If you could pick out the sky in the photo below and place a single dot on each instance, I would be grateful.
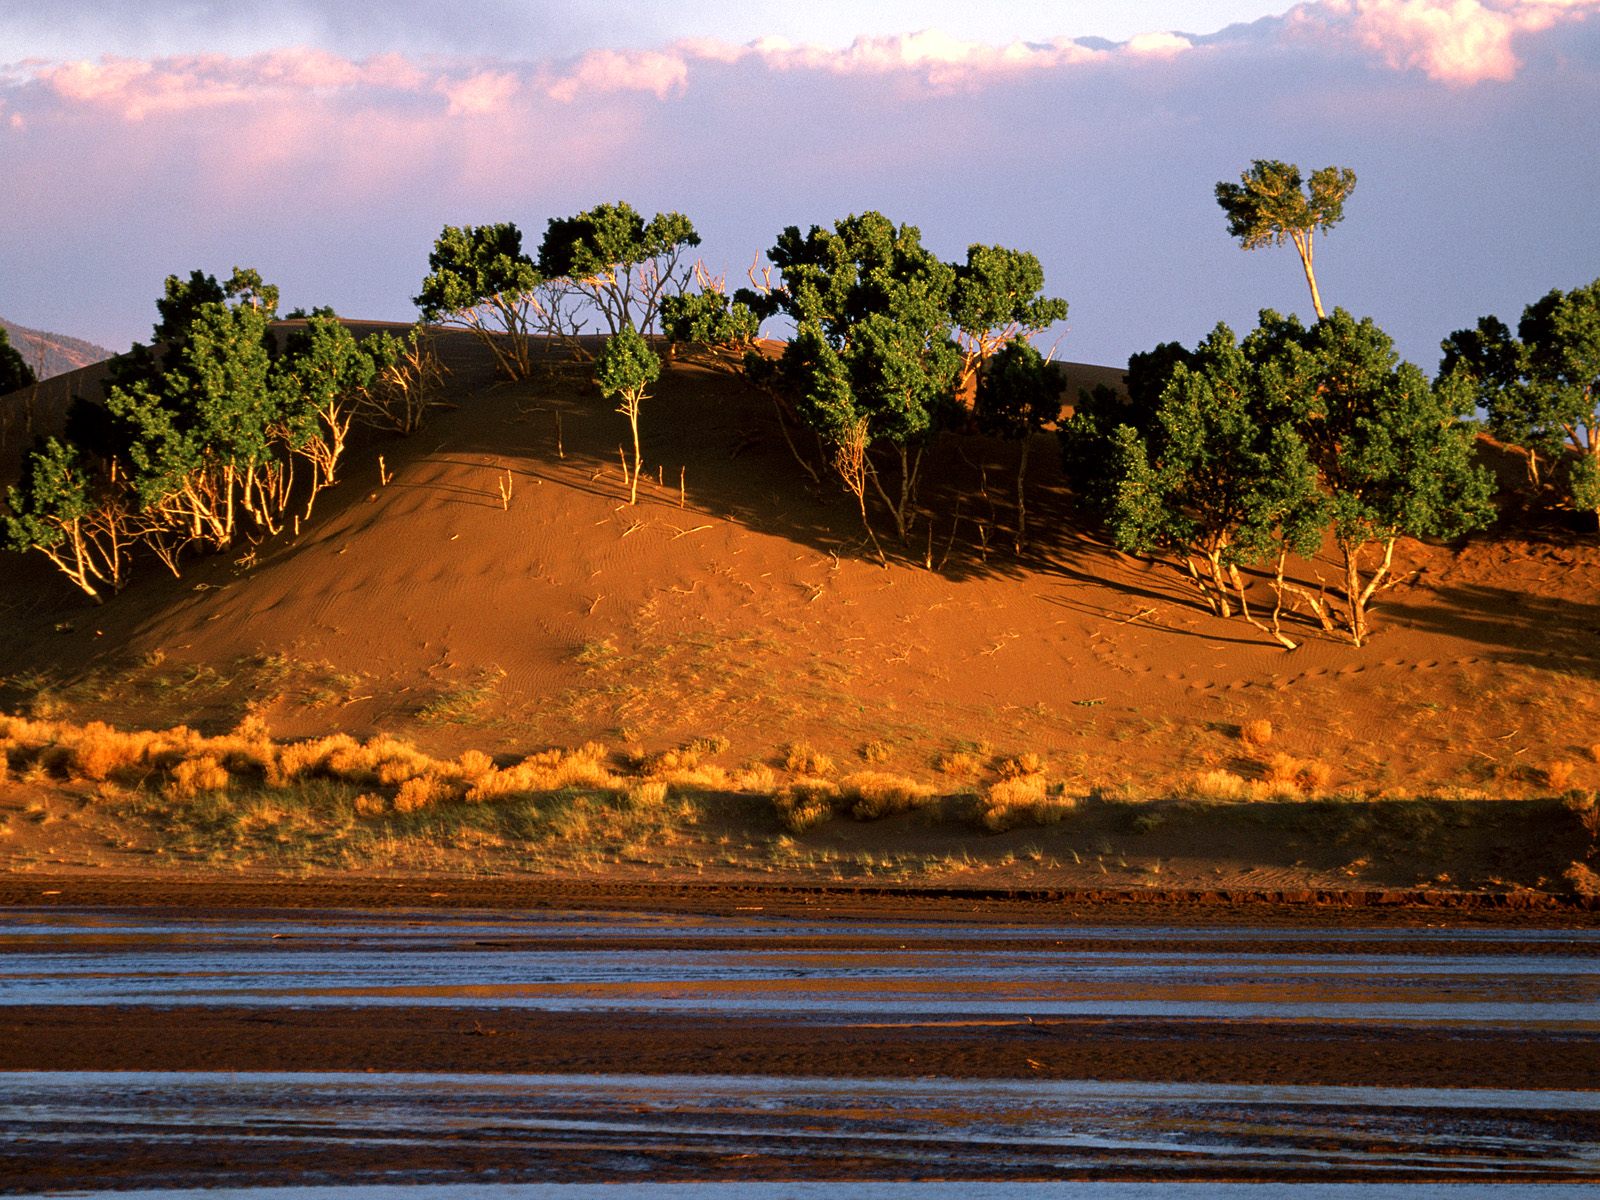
(327, 143)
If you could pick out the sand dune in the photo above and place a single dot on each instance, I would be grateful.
(753, 612)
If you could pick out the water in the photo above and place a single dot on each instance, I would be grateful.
(576, 964)
(525, 1136)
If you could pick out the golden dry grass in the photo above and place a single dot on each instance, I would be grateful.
(800, 758)
(1557, 776)
(1019, 799)
(873, 795)
(1256, 734)
(805, 803)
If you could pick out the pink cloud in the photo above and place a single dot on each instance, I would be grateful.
(603, 71)
(479, 94)
(1452, 41)
(140, 88)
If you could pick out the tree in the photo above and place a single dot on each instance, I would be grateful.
(622, 264)
(480, 280)
(1541, 389)
(75, 520)
(1252, 450)
(1018, 395)
(627, 366)
(408, 381)
(1221, 477)
(1268, 207)
(724, 326)
(1085, 437)
(200, 430)
(324, 376)
(1393, 453)
(997, 300)
(872, 361)
(14, 370)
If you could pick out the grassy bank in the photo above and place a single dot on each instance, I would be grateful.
(91, 795)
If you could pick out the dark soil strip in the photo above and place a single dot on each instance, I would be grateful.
(983, 905)
(517, 1041)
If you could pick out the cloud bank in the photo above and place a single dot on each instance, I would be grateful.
(332, 172)
(1458, 42)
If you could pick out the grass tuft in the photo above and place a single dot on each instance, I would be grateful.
(873, 795)
(1256, 734)
(803, 759)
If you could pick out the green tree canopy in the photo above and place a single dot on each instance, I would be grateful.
(479, 279)
(1221, 476)
(626, 368)
(61, 509)
(1271, 205)
(1541, 389)
(998, 298)
(872, 360)
(1394, 453)
(1253, 449)
(624, 264)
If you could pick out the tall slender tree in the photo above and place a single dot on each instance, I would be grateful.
(1270, 205)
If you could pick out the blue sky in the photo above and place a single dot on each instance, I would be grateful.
(326, 144)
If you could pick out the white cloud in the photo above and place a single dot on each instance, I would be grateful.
(1158, 45)
(1452, 41)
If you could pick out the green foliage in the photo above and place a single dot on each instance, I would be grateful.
(1271, 205)
(1394, 453)
(709, 318)
(872, 359)
(997, 300)
(474, 264)
(51, 495)
(1541, 389)
(323, 377)
(14, 371)
(479, 279)
(627, 365)
(1019, 394)
(1222, 477)
(1085, 435)
(74, 520)
(625, 265)
(1251, 451)
(200, 434)
(201, 424)
(1268, 205)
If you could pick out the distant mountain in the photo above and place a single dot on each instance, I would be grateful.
(52, 353)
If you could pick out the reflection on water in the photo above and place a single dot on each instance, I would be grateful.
(641, 963)
(675, 1125)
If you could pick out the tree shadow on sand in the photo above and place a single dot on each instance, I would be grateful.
(1547, 632)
